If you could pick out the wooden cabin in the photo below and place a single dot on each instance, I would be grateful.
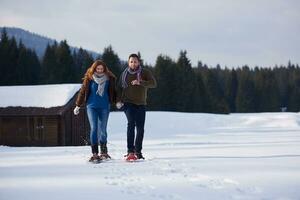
(36, 118)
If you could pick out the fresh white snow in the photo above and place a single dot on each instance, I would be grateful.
(37, 96)
(189, 156)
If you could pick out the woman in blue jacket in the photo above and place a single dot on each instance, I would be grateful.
(97, 93)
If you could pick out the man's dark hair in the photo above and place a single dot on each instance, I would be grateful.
(133, 55)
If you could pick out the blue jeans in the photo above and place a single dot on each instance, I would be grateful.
(135, 115)
(98, 118)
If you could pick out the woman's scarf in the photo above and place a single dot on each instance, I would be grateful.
(100, 80)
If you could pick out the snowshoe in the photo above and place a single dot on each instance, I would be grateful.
(104, 156)
(139, 156)
(131, 157)
(95, 159)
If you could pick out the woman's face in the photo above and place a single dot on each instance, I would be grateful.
(99, 69)
(133, 63)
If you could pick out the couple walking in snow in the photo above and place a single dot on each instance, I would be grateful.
(99, 91)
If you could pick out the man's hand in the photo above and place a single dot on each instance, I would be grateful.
(135, 82)
(119, 105)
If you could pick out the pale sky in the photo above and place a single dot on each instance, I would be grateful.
(225, 32)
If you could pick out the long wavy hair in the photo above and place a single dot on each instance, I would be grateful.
(91, 70)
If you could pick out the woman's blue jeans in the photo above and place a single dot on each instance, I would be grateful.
(98, 119)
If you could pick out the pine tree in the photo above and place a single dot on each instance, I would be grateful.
(4, 58)
(201, 101)
(22, 73)
(294, 99)
(231, 90)
(112, 60)
(215, 94)
(282, 75)
(66, 72)
(141, 59)
(267, 93)
(11, 57)
(49, 65)
(34, 68)
(162, 98)
(185, 82)
(245, 99)
(82, 61)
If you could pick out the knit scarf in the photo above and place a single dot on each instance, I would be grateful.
(100, 80)
(130, 71)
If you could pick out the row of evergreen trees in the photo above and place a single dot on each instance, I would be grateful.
(18, 65)
(181, 87)
(215, 90)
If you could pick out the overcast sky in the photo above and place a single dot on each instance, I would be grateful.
(225, 32)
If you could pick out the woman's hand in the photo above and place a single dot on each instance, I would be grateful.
(76, 110)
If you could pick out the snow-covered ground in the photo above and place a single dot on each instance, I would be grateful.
(189, 156)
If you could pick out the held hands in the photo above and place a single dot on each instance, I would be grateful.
(119, 105)
(76, 110)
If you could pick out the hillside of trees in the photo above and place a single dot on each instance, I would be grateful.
(181, 87)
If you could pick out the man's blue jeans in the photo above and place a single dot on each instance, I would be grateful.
(136, 115)
(98, 119)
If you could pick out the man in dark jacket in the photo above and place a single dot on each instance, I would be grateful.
(132, 96)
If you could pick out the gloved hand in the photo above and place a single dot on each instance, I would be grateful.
(76, 110)
(119, 105)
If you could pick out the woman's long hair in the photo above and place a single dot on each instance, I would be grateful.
(91, 70)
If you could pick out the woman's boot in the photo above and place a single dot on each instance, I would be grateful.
(104, 154)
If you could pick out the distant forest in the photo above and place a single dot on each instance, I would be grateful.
(181, 87)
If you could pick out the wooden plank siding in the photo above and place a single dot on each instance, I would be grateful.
(80, 128)
(50, 131)
(17, 127)
(29, 131)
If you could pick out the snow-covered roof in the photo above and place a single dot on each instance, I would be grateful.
(45, 96)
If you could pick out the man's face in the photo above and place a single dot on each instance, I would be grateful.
(133, 63)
